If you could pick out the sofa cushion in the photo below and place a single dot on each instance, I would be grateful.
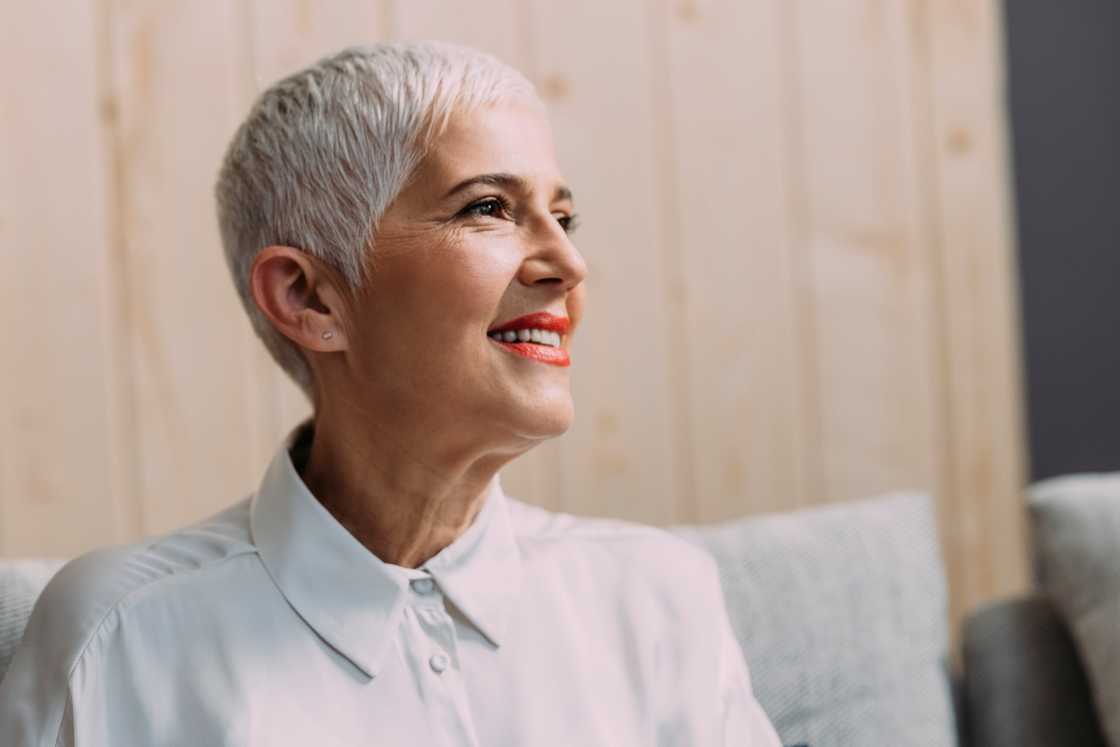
(1024, 680)
(20, 584)
(1076, 522)
(842, 615)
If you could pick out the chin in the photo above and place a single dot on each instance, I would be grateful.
(542, 422)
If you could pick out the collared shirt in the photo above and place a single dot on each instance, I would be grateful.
(270, 624)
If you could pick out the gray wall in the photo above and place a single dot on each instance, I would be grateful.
(1064, 70)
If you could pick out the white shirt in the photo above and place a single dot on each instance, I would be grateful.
(270, 624)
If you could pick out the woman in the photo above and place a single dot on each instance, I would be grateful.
(398, 230)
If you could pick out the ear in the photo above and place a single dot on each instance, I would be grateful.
(300, 297)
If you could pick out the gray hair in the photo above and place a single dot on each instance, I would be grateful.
(324, 152)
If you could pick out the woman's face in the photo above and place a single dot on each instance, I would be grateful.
(477, 239)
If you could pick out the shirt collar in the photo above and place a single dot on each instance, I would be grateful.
(351, 598)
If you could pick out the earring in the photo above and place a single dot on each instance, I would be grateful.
(328, 334)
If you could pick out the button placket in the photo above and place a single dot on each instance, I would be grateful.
(441, 632)
(434, 621)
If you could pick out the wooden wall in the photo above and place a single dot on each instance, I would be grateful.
(796, 216)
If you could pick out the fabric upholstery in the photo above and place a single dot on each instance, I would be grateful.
(20, 584)
(1025, 686)
(842, 615)
(1076, 521)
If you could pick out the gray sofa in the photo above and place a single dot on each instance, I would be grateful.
(841, 613)
(1023, 684)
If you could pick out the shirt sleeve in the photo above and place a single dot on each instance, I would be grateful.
(74, 687)
(744, 722)
(47, 688)
(34, 694)
(705, 695)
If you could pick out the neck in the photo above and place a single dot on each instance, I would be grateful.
(398, 491)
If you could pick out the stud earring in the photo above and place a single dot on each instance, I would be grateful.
(328, 334)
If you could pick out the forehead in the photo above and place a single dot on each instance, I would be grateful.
(508, 138)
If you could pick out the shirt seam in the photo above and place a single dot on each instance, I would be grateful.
(67, 707)
(635, 534)
(96, 629)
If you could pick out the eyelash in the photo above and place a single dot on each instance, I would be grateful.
(568, 223)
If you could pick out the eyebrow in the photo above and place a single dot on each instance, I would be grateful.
(511, 182)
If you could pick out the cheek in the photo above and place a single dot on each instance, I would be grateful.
(472, 280)
(473, 291)
(447, 286)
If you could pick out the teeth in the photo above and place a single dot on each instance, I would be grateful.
(539, 336)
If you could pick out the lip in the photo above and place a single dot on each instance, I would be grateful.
(540, 353)
(536, 320)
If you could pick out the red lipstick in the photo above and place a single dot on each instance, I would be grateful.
(555, 356)
(536, 320)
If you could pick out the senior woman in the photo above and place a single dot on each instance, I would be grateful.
(398, 229)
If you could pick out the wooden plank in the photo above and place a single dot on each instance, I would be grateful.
(746, 429)
(176, 93)
(283, 36)
(621, 458)
(64, 482)
(290, 34)
(502, 31)
(496, 30)
(971, 202)
(868, 265)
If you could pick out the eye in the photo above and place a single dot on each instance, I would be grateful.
(568, 222)
(488, 207)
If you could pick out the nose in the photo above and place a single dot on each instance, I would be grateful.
(552, 258)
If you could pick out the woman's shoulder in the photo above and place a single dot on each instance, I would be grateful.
(87, 590)
(650, 551)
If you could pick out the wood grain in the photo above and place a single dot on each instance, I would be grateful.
(866, 266)
(174, 84)
(973, 225)
(64, 457)
(745, 387)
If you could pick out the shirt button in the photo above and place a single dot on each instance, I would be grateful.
(438, 663)
(422, 585)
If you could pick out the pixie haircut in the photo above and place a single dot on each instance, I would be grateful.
(324, 152)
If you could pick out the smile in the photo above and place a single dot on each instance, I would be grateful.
(543, 352)
(535, 336)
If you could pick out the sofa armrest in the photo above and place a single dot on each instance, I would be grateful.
(1024, 685)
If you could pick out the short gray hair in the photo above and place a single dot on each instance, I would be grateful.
(324, 152)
